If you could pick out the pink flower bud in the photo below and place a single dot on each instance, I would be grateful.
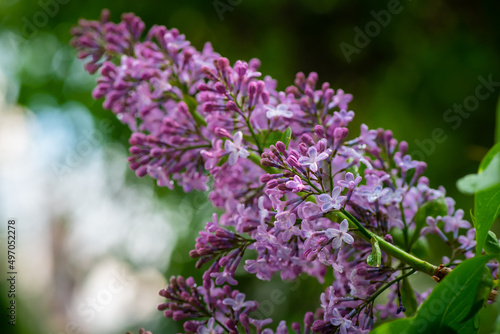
(319, 130)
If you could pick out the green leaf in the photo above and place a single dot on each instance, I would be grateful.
(408, 298)
(421, 248)
(223, 160)
(287, 136)
(397, 237)
(268, 138)
(487, 208)
(473, 218)
(485, 179)
(497, 128)
(485, 285)
(497, 322)
(191, 103)
(375, 257)
(492, 246)
(488, 158)
(487, 202)
(453, 305)
(398, 326)
(434, 208)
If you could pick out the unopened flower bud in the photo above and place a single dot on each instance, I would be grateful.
(208, 72)
(321, 145)
(135, 150)
(307, 139)
(303, 148)
(305, 103)
(190, 326)
(209, 107)
(300, 80)
(260, 87)
(292, 161)
(252, 88)
(319, 130)
(230, 324)
(202, 87)
(244, 321)
(141, 171)
(281, 147)
(137, 138)
(220, 88)
(309, 93)
(308, 319)
(388, 136)
(292, 90)
(156, 152)
(403, 147)
(240, 68)
(267, 163)
(231, 106)
(265, 97)
(340, 134)
(272, 184)
(222, 133)
(254, 64)
(222, 63)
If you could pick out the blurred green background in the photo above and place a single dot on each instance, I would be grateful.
(405, 75)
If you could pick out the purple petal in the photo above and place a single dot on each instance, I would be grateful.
(348, 239)
(312, 152)
(322, 156)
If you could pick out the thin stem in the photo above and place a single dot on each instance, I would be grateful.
(254, 136)
(376, 294)
(393, 250)
(306, 180)
(405, 228)
(247, 121)
(367, 234)
(256, 159)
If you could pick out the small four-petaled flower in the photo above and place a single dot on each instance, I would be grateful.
(340, 321)
(279, 110)
(238, 302)
(313, 159)
(235, 148)
(332, 202)
(339, 235)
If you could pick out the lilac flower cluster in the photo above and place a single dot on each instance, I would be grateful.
(293, 188)
(212, 309)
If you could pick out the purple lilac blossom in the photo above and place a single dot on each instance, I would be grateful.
(198, 120)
